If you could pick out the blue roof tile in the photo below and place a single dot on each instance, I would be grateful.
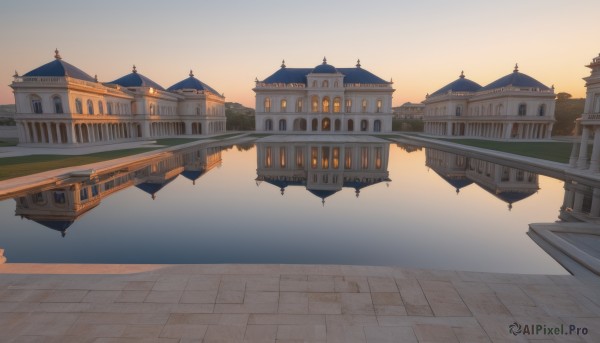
(192, 83)
(516, 79)
(298, 75)
(461, 84)
(60, 68)
(136, 79)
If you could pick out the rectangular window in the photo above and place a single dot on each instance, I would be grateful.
(83, 194)
(314, 155)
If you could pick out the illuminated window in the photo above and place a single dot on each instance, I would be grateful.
(326, 104)
(299, 105)
(378, 158)
(348, 105)
(314, 155)
(364, 105)
(283, 105)
(335, 163)
(268, 157)
(325, 84)
(379, 105)
(299, 157)
(337, 105)
(282, 159)
(267, 105)
(314, 104)
(348, 159)
(152, 109)
(58, 107)
(325, 157)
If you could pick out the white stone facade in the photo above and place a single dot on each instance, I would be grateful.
(515, 107)
(323, 99)
(589, 123)
(72, 110)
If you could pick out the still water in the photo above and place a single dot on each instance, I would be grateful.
(365, 202)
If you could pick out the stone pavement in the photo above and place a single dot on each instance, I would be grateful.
(286, 303)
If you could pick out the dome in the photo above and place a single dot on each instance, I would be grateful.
(60, 68)
(324, 68)
(192, 83)
(135, 79)
(462, 84)
(516, 79)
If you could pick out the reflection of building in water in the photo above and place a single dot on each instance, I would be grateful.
(507, 184)
(59, 207)
(581, 202)
(323, 168)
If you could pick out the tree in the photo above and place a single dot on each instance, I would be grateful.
(563, 96)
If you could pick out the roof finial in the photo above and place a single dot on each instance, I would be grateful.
(16, 74)
(462, 74)
(282, 63)
(358, 63)
(324, 60)
(191, 73)
(552, 87)
(96, 77)
(323, 201)
(57, 55)
(256, 79)
(134, 70)
(516, 67)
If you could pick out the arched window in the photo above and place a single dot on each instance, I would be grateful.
(282, 125)
(36, 104)
(314, 104)
(522, 109)
(364, 125)
(58, 107)
(348, 105)
(283, 105)
(337, 105)
(78, 106)
(542, 110)
(268, 125)
(90, 107)
(364, 105)
(299, 105)
(267, 104)
(325, 104)
(336, 84)
(350, 125)
(379, 105)
(109, 108)
(314, 84)
(377, 125)
(326, 124)
(315, 124)
(100, 107)
(325, 84)
(458, 111)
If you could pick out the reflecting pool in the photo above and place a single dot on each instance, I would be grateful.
(364, 201)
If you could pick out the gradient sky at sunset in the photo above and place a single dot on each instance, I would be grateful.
(422, 45)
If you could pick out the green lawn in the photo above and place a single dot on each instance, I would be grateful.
(551, 151)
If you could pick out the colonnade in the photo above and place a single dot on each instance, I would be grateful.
(580, 157)
(69, 133)
(490, 130)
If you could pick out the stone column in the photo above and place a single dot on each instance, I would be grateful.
(578, 202)
(568, 199)
(574, 156)
(595, 211)
(595, 160)
(583, 149)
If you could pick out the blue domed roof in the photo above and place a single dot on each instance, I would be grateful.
(516, 79)
(324, 68)
(134, 79)
(60, 68)
(462, 84)
(192, 83)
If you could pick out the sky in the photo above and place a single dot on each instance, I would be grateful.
(420, 45)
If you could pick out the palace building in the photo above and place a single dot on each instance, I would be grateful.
(58, 104)
(323, 99)
(589, 123)
(515, 106)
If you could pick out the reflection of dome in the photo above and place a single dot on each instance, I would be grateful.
(324, 68)
(516, 79)
(192, 83)
(462, 84)
(153, 187)
(457, 182)
(60, 68)
(193, 175)
(58, 225)
(135, 79)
